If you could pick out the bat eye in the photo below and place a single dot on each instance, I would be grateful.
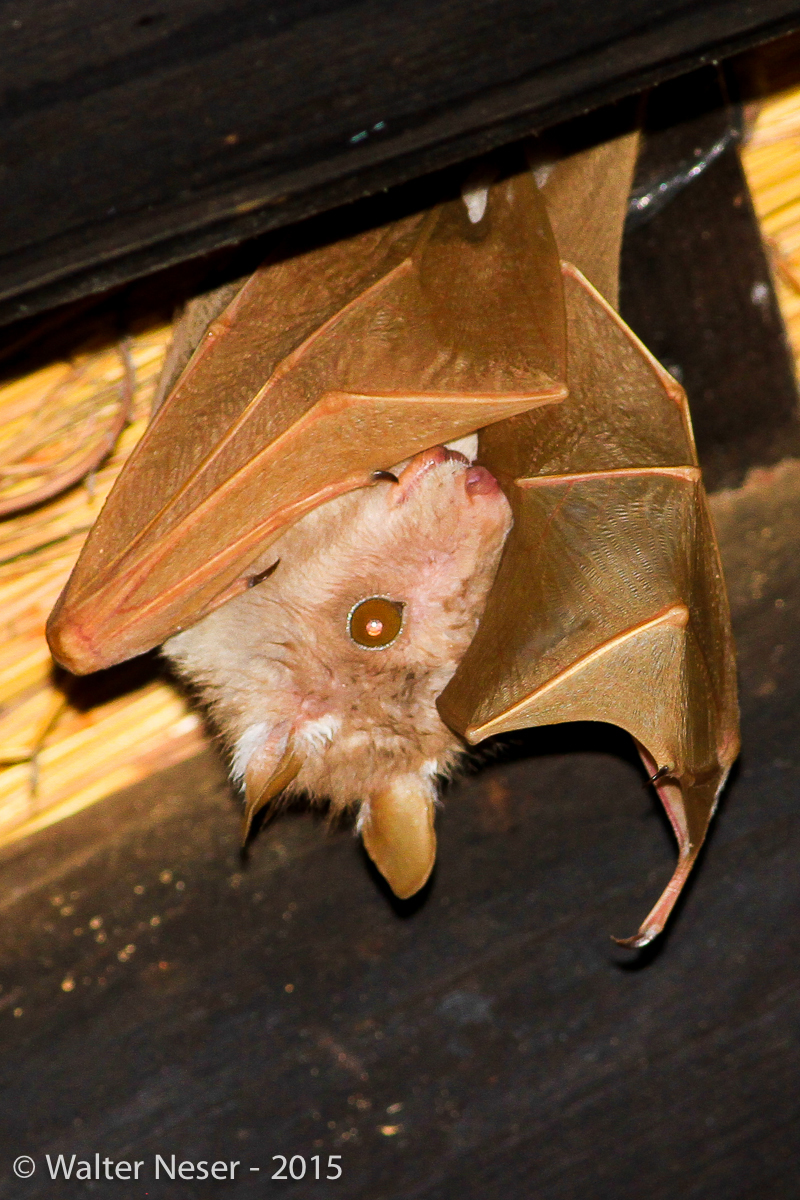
(376, 622)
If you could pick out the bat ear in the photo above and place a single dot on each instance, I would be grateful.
(271, 767)
(396, 826)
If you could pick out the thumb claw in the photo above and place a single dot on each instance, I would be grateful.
(263, 782)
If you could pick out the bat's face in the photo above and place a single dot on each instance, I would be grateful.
(341, 651)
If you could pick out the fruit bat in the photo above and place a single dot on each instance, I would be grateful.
(360, 593)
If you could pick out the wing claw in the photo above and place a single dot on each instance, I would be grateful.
(265, 780)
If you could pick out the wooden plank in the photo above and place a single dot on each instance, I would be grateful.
(134, 136)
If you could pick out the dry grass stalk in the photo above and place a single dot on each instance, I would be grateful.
(771, 159)
(63, 747)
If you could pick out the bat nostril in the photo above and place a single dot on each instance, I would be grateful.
(480, 482)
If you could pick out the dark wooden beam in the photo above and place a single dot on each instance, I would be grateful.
(137, 135)
(696, 284)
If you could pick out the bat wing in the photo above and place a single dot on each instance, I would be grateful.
(609, 603)
(586, 196)
(324, 368)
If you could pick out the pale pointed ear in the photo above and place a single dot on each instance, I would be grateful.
(396, 826)
(271, 767)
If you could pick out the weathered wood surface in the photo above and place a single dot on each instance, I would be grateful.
(136, 135)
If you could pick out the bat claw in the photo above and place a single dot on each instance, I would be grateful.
(661, 773)
(643, 938)
(265, 779)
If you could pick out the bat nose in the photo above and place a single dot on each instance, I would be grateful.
(480, 482)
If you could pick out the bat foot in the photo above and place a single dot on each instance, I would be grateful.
(658, 916)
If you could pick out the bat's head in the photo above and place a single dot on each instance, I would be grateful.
(327, 672)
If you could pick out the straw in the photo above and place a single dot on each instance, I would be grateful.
(64, 745)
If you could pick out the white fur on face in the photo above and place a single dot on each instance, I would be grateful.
(281, 652)
(316, 735)
(247, 744)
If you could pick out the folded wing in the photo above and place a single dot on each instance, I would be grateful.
(324, 368)
(609, 603)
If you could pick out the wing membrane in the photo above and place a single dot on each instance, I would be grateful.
(609, 603)
(323, 369)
